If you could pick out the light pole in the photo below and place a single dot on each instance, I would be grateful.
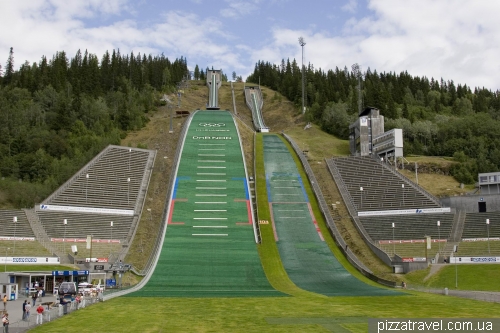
(5, 262)
(86, 186)
(393, 244)
(302, 43)
(111, 240)
(15, 230)
(488, 229)
(65, 221)
(150, 214)
(361, 190)
(403, 190)
(129, 157)
(439, 236)
(128, 190)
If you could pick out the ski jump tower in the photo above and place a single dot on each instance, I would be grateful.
(214, 80)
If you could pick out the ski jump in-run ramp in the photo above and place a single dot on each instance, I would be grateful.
(307, 259)
(209, 247)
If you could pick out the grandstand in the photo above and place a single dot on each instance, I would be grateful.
(479, 238)
(373, 186)
(17, 238)
(374, 190)
(255, 102)
(110, 188)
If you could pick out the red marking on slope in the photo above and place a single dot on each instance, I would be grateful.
(315, 222)
(272, 222)
(169, 221)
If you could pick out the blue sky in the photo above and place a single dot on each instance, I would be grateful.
(452, 39)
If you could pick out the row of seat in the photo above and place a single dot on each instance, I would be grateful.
(81, 225)
(112, 181)
(381, 188)
(8, 228)
(475, 225)
(413, 226)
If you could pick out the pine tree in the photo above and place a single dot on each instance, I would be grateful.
(9, 69)
(196, 72)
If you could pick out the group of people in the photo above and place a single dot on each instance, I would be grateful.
(27, 310)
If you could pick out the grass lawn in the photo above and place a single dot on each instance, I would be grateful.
(481, 277)
(35, 268)
(258, 314)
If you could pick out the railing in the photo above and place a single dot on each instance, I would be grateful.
(52, 311)
(255, 225)
(255, 185)
(142, 195)
(40, 234)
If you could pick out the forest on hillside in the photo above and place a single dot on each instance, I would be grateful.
(438, 118)
(58, 113)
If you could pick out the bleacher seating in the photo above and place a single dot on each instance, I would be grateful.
(385, 190)
(79, 225)
(107, 184)
(382, 189)
(105, 187)
(10, 229)
(413, 226)
(475, 225)
(21, 229)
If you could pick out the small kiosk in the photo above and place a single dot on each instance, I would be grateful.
(9, 289)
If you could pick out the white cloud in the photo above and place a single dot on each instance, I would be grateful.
(453, 39)
(239, 8)
(350, 6)
(44, 27)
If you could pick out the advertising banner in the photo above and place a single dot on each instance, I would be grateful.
(405, 211)
(94, 210)
(475, 260)
(29, 260)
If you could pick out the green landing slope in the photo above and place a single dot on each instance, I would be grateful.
(209, 248)
(307, 259)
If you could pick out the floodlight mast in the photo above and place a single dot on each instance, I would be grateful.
(356, 69)
(302, 43)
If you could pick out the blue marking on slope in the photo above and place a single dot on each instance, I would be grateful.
(303, 188)
(245, 184)
(268, 187)
(177, 184)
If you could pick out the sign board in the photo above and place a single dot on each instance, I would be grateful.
(98, 267)
(94, 210)
(405, 211)
(69, 273)
(29, 260)
(474, 260)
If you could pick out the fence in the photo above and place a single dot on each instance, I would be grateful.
(52, 311)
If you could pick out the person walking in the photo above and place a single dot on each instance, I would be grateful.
(39, 313)
(5, 322)
(24, 309)
(35, 295)
(5, 302)
(27, 308)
